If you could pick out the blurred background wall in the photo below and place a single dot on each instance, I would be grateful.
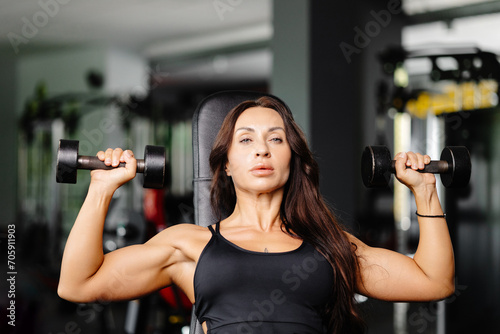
(127, 73)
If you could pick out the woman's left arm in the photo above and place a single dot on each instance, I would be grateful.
(388, 275)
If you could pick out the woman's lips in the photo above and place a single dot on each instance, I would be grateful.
(262, 170)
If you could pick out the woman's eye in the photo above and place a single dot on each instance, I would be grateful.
(277, 140)
(245, 140)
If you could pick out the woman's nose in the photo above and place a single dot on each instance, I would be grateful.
(262, 151)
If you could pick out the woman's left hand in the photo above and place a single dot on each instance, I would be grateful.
(410, 176)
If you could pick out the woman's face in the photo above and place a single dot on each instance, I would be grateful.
(259, 155)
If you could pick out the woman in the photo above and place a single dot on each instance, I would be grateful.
(280, 263)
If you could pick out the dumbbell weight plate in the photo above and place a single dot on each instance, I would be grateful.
(67, 161)
(458, 158)
(155, 175)
(373, 171)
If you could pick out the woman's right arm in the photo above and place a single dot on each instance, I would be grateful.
(89, 275)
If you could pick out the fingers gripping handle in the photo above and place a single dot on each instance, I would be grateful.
(435, 167)
(91, 163)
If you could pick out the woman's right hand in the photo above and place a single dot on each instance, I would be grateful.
(114, 178)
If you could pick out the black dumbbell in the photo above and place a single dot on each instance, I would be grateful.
(68, 162)
(454, 166)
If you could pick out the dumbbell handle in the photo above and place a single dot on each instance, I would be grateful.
(93, 162)
(435, 167)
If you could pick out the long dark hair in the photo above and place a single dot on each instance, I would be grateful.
(303, 211)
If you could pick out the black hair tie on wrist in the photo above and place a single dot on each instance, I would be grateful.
(431, 216)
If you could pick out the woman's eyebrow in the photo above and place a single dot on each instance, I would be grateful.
(249, 129)
(275, 128)
(244, 128)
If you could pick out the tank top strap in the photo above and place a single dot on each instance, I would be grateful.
(216, 228)
(211, 229)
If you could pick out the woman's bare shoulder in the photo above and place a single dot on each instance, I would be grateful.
(182, 234)
(186, 228)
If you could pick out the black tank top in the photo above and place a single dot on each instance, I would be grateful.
(242, 291)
